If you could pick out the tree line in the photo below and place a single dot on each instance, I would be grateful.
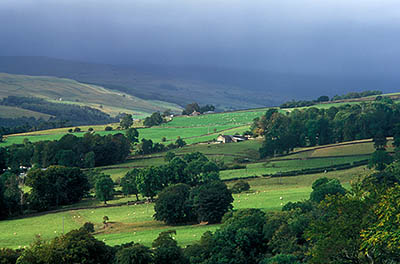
(283, 132)
(192, 169)
(194, 107)
(84, 152)
(324, 98)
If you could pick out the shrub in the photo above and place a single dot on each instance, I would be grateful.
(108, 128)
(240, 186)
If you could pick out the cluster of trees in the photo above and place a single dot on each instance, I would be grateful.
(154, 120)
(50, 188)
(55, 186)
(180, 203)
(72, 151)
(192, 169)
(303, 103)
(313, 126)
(324, 98)
(147, 146)
(188, 189)
(194, 107)
(66, 114)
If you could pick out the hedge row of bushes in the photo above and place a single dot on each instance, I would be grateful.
(342, 166)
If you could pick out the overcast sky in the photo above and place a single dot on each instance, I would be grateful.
(319, 36)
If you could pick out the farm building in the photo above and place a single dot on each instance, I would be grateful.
(195, 113)
(230, 138)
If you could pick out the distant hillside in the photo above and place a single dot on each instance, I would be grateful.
(69, 91)
(15, 112)
(225, 88)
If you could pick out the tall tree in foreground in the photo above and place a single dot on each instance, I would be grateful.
(381, 240)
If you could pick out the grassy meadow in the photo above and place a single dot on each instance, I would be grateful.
(135, 222)
(228, 153)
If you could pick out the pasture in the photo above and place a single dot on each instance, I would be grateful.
(135, 223)
(315, 157)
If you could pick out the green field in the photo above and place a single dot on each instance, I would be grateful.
(135, 223)
(272, 167)
(190, 135)
(239, 118)
(313, 158)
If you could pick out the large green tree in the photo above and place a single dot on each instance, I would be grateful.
(323, 187)
(334, 233)
(154, 120)
(12, 194)
(132, 135)
(172, 205)
(57, 185)
(240, 238)
(149, 181)
(128, 183)
(104, 188)
(380, 159)
(211, 201)
(126, 121)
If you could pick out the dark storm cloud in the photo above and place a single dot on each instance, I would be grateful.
(338, 36)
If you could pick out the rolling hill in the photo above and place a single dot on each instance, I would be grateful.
(226, 88)
(15, 112)
(69, 91)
